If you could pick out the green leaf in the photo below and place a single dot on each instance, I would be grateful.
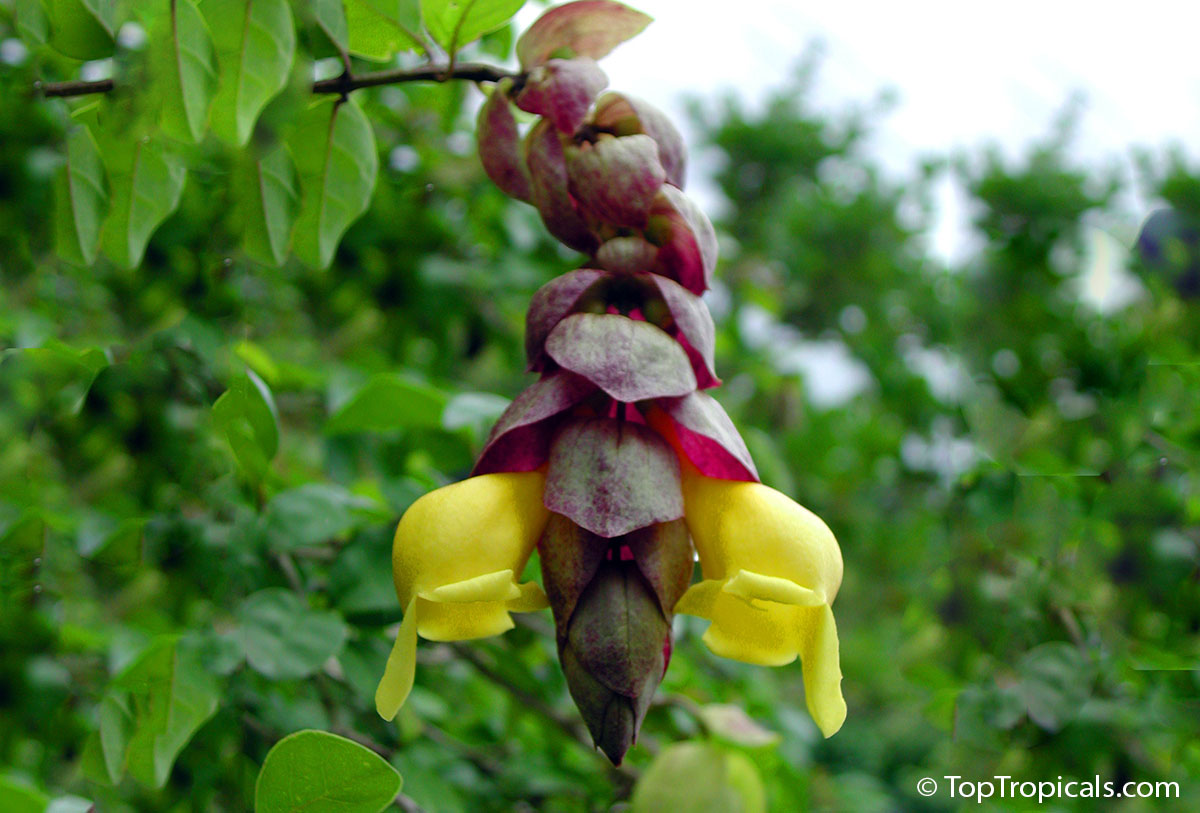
(118, 547)
(33, 23)
(18, 798)
(360, 580)
(20, 545)
(330, 16)
(455, 23)
(246, 415)
(730, 723)
(389, 402)
(187, 67)
(1056, 680)
(255, 42)
(317, 772)
(379, 29)
(697, 776)
(116, 728)
(284, 638)
(268, 200)
(772, 465)
(315, 513)
(70, 804)
(80, 200)
(146, 181)
(60, 375)
(476, 412)
(82, 29)
(334, 150)
(152, 710)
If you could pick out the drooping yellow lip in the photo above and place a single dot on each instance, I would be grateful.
(772, 569)
(456, 557)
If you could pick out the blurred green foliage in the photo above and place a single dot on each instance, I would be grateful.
(204, 457)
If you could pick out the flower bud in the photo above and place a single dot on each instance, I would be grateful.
(562, 90)
(627, 255)
(613, 656)
(625, 115)
(499, 145)
(615, 180)
(611, 600)
(548, 178)
(688, 252)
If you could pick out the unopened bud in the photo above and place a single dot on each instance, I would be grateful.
(562, 90)
(627, 255)
(615, 180)
(548, 180)
(623, 114)
(611, 600)
(500, 145)
(613, 655)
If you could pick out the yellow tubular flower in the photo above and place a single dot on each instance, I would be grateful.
(771, 571)
(456, 558)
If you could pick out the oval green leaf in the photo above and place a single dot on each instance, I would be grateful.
(255, 42)
(33, 24)
(82, 29)
(334, 150)
(187, 68)
(455, 23)
(315, 513)
(152, 710)
(80, 200)
(389, 402)
(698, 776)
(245, 414)
(19, 798)
(379, 29)
(284, 638)
(330, 17)
(147, 182)
(268, 200)
(318, 772)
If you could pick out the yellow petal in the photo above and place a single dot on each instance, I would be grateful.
(401, 667)
(766, 637)
(748, 526)
(771, 570)
(822, 674)
(496, 586)
(440, 621)
(750, 585)
(699, 598)
(531, 599)
(476, 608)
(478, 526)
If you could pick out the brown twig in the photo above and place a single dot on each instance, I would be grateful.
(73, 88)
(341, 84)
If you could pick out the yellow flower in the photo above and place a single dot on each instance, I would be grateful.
(771, 571)
(456, 558)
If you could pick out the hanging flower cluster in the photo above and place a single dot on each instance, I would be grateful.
(615, 465)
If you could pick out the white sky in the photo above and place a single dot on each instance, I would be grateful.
(966, 73)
